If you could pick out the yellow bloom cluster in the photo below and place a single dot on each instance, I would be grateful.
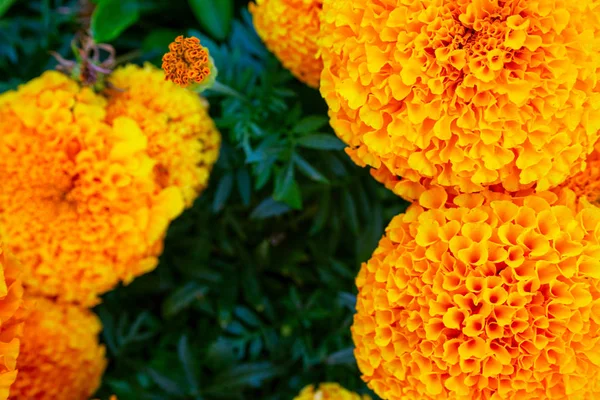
(290, 29)
(60, 354)
(483, 296)
(182, 138)
(11, 302)
(464, 94)
(328, 391)
(90, 186)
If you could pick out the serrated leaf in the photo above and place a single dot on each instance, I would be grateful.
(286, 188)
(182, 298)
(223, 192)
(310, 124)
(321, 141)
(247, 316)
(269, 208)
(350, 212)
(188, 362)
(243, 376)
(244, 185)
(112, 17)
(344, 356)
(168, 385)
(214, 16)
(308, 169)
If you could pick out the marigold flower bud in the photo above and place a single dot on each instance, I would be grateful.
(188, 62)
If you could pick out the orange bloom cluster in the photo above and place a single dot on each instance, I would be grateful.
(483, 296)
(86, 198)
(290, 29)
(11, 299)
(60, 354)
(329, 391)
(182, 138)
(186, 62)
(464, 94)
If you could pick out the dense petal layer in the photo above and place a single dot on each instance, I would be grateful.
(60, 355)
(11, 320)
(290, 28)
(88, 192)
(483, 296)
(463, 94)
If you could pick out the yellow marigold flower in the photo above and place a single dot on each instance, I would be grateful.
(289, 29)
(182, 137)
(60, 355)
(464, 94)
(87, 194)
(483, 296)
(329, 391)
(11, 327)
(187, 62)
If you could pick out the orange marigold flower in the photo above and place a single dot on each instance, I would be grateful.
(329, 391)
(182, 138)
(11, 326)
(187, 62)
(464, 94)
(483, 296)
(289, 29)
(86, 197)
(60, 355)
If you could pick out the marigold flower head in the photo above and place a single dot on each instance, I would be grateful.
(187, 62)
(290, 29)
(464, 94)
(483, 296)
(182, 138)
(329, 391)
(11, 326)
(60, 355)
(86, 197)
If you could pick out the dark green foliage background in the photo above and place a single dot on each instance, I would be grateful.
(254, 294)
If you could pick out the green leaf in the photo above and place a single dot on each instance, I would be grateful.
(344, 356)
(308, 169)
(5, 5)
(223, 192)
(350, 212)
(310, 124)
(169, 386)
(214, 16)
(112, 17)
(244, 185)
(158, 41)
(244, 375)
(269, 208)
(182, 298)
(321, 141)
(286, 188)
(188, 362)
